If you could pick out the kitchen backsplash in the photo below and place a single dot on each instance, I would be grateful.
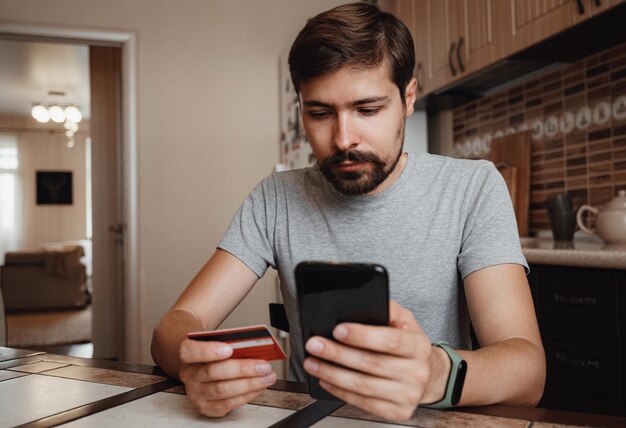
(577, 120)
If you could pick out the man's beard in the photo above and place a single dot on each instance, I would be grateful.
(365, 179)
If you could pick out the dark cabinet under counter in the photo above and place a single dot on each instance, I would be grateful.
(582, 319)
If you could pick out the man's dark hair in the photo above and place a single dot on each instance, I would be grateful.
(359, 35)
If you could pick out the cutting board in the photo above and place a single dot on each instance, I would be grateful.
(511, 155)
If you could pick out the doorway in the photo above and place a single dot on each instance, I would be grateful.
(113, 171)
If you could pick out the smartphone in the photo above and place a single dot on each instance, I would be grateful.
(330, 293)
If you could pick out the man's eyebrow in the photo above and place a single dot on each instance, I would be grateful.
(315, 103)
(370, 100)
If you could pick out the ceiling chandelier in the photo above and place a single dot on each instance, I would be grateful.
(69, 115)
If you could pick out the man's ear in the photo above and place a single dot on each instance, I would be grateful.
(409, 96)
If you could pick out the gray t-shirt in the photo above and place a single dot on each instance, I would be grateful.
(443, 219)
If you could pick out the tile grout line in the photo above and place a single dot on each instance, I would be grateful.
(105, 364)
(100, 405)
(12, 369)
(20, 362)
(46, 373)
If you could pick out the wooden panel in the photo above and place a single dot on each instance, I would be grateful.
(420, 39)
(437, 19)
(479, 34)
(389, 6)
(531, 21)
(413, 14)
(406, 15)
(457, 17)
(514, 151)
(105, 64)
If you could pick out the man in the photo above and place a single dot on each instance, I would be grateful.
(427, 219)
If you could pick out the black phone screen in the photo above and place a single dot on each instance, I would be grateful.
(332, 293)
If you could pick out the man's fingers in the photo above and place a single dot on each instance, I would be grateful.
(403, 342)
(223, 389)
(195, 351)
(393, 390)
(223, 370)
(404, 337)
(372, 363)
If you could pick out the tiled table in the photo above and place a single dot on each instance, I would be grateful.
(41, 390)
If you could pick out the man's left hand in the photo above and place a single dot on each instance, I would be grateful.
(386, 371)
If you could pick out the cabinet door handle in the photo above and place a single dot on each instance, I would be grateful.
(581, 7)
(459, 48)
(452, 46)
(419, 76)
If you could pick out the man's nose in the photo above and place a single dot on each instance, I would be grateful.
(344, 136)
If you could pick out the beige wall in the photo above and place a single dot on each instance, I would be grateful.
(207, 121)
(43, 148)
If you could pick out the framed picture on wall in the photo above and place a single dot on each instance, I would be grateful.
(54, 187)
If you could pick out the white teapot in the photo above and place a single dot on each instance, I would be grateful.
(611, 221)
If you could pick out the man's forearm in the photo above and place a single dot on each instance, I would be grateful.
(511, 372)
(168, 334)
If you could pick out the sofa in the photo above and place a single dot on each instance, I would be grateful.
(44, 279)
(3, 324)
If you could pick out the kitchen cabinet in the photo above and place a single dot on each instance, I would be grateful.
(455, 38)
(588, 8)
(480, 17)
(412, 13)
(528, 22)
(413, 19)
(582, 318)
(452, 37)
(465, 28)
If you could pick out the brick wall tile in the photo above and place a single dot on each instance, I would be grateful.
(589, 163)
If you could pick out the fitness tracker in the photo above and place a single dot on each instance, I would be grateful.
(456, 378)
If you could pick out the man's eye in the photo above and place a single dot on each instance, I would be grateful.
(318, 114)
(369, 111)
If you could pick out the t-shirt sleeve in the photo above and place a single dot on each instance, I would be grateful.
(249, 236)
(490, 234)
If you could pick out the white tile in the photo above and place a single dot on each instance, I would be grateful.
(32, 397)
(6, 375)
(165, 410)
(37, 367)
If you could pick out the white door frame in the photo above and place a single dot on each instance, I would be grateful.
(127, 41)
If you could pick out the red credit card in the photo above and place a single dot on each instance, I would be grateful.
(254, 341)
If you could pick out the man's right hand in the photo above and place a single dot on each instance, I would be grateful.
(216, 383)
